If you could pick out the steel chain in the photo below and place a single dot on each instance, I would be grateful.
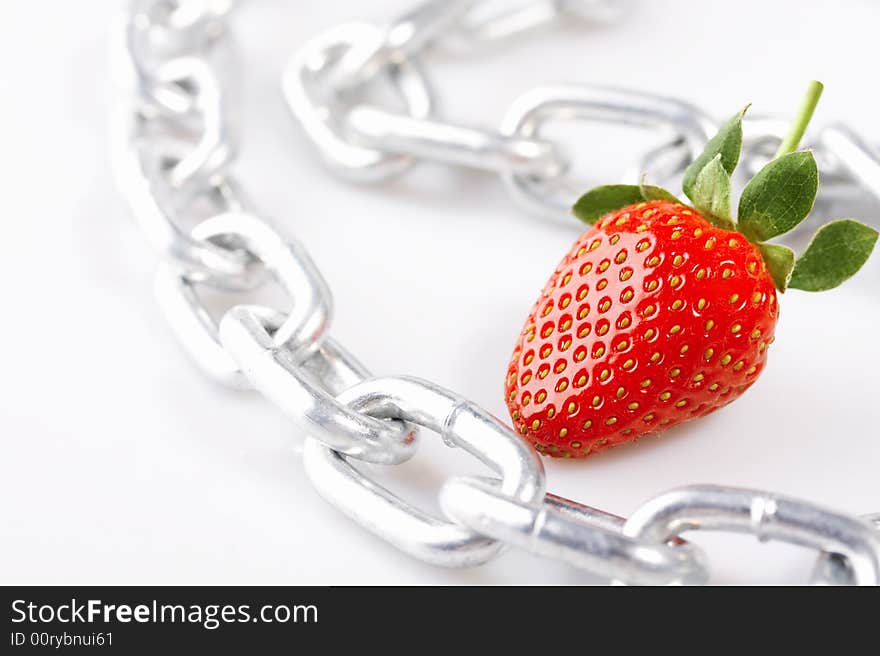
(173, 152)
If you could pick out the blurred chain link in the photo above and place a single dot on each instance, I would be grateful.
(173, 151)
(535, 170)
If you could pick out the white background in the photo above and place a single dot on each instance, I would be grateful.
(121, 463)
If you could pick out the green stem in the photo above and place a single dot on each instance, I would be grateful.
(796, 133)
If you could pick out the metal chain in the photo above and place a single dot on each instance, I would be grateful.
(368, 143)
(173, 152)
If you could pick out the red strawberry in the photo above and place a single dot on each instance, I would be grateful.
(661, 313)
(653, 318)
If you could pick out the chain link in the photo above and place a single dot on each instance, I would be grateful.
(173, 153)
(763, 514)
(298, 331)
(322, 115)
(835, 569)
(554, 196)
(534, 170)
(565, 530)
(460, 424)
(274, 371)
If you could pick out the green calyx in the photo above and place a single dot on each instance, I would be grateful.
(775, 201)
(603, 200)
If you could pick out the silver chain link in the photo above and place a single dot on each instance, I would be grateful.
(367, 143)
(173, 153)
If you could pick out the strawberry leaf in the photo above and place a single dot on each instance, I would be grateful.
(780, 262)
(650, 192)
(600, 201)
(838, 250)
(779, 197)
(711, 194)
(727, 143)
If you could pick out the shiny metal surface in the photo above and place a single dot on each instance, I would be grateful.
(454, 144)
(561, 529)
(460, 424)
(835, 568)
(554, 197)
(367, 143)
(491, 21)
(766, 515)
(170, 132)
(174, 148)
(277, 373)
(319, 114)
(299, 329)
(396, 43)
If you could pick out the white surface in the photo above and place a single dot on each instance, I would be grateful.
(122, 464)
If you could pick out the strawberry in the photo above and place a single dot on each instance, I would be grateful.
(661, 312)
